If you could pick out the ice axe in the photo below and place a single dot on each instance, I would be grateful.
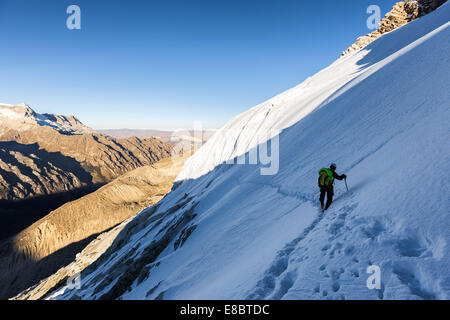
(345, 180)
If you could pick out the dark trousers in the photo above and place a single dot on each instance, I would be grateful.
(330, 193)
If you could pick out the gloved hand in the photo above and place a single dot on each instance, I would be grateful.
(344, 176)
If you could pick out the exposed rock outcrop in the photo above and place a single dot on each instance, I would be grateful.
(26, 170)
(402, 13)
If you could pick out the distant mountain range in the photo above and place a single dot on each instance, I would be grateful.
(41, 154)
(166, 136)
(47, 160)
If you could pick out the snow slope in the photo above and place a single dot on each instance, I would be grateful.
(228, 232)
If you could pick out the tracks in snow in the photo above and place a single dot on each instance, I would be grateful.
(277, 280)
(338, 226)
(266, 287)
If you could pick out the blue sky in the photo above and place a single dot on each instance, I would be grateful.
(166, 64)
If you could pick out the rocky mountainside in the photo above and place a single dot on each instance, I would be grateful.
(402, 13)
(52, 242)
(41, 154)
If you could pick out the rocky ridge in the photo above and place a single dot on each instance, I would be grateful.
(402, 13)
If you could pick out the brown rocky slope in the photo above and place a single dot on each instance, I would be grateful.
(52, 242)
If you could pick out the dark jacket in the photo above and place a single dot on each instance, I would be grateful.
(336, 176)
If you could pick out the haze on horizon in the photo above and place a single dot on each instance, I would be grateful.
(160, 65)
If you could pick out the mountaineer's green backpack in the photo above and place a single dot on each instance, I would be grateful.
(326, 177)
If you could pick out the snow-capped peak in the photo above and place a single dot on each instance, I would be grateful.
(17, 116)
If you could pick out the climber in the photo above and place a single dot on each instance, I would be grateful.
(326, 181)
